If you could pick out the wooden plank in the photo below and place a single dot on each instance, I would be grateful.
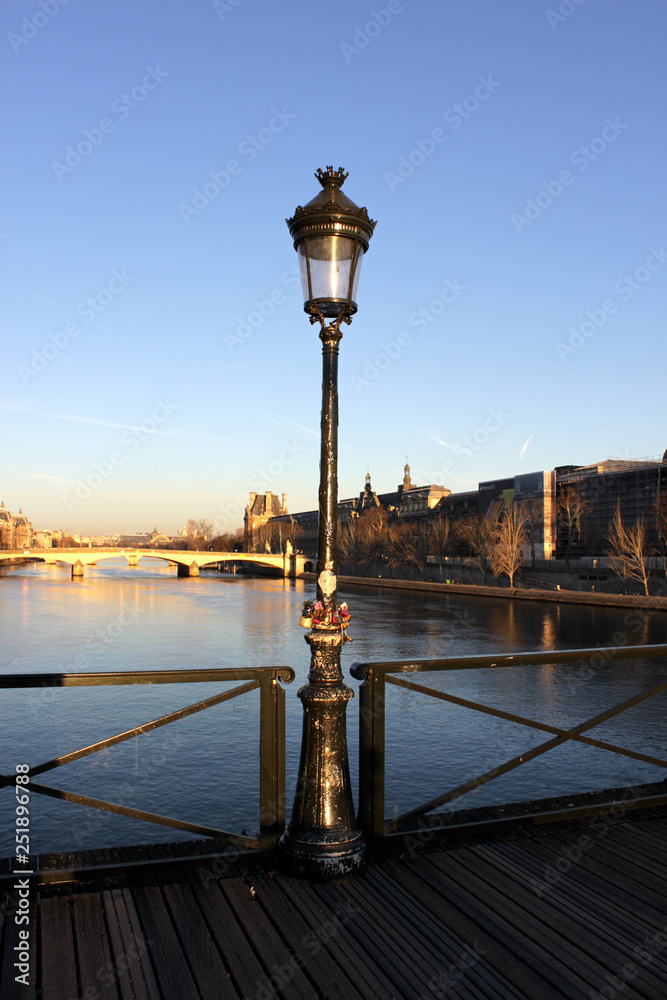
(97, 974)
(625, 837)
(346, 947)
(645, 834)
(588, 936)
(597, 922)
(630, 853)
(247, 971)
(142, 947)
(654, 827)
(309, 943)
(59, 980)
(115, 938)
(617, 880)
(170, 965)
(456, 960)
(506, 923)
(617, 860)
(462, 917)
(580, 886)
(428, 941)
(131, 961)
(407, 975)
(208, 969)
(652, 848)
(520, 869)
(408, 940)
(275, 956)
(602, 883)
(588, 956)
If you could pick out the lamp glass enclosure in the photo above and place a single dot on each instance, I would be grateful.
(330, 267)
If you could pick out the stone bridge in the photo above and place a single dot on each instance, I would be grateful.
(187, 563)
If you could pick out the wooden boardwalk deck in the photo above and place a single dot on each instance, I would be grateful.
(575, 911)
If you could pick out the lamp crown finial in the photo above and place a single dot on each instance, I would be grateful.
(331, 177)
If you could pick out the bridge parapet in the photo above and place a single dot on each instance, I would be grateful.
(188, 562)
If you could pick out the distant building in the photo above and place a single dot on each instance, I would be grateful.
(634, 484)
(148, 539)
(406, 501)
(159, 541)
(6, 528)
(42, 539)
(22, 531)
(262, 507)
(537, 491)
(15, 530)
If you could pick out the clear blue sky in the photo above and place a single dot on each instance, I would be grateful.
(531, 144)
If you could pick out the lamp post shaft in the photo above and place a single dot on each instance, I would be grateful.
(323, 841)
(327, 539)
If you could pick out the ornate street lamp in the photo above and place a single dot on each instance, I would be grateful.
(323, 841)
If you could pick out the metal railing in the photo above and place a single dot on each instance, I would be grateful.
(372, 705)
(271, 743)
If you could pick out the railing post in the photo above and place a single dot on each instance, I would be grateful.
(271, 762)
(371, 756)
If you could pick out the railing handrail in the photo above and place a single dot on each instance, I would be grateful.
(484, 660)
(84, 679)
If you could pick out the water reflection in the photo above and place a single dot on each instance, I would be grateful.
(549, 631)
(205, 768)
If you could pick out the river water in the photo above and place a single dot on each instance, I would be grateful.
(204, 769)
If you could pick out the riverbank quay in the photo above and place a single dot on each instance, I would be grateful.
(564, 911)
(520, 593)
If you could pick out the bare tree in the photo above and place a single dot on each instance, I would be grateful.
(406, 546)
(477, 538)
(273, 536)
(230, 541)
(290, 532)
(627, 549)
(372, 538)
(348, 542)
(267, 538)
(396, 545)
(442, 539)
(510, 535)
(570, 508)
(417, 548)
(198, 532)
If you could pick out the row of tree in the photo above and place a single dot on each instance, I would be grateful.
(374, 543)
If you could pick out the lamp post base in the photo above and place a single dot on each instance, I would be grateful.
(316, 860)
(323, 841)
